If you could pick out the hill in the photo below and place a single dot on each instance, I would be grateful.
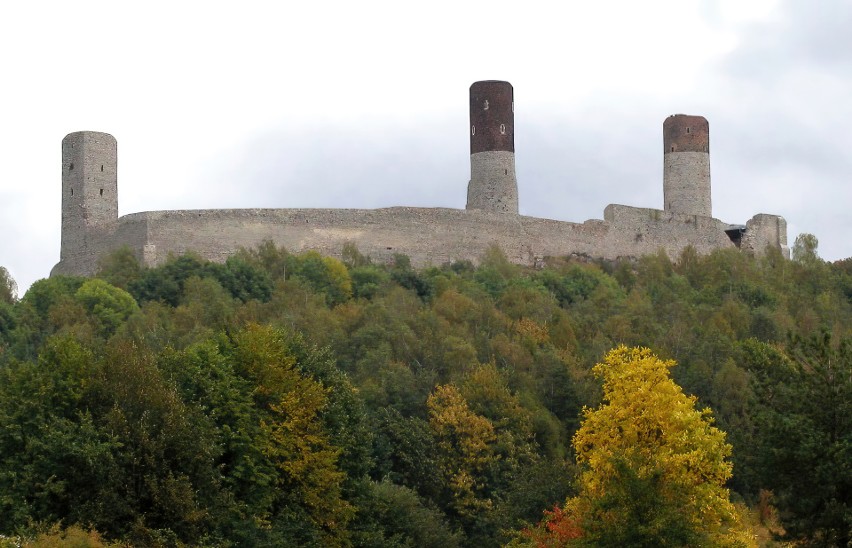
(283, 399)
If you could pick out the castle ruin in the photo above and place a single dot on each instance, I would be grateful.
(91, 226)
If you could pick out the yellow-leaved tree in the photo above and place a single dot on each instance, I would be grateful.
(466, 445)
(653, 467)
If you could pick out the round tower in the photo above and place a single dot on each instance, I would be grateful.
(493, 186)
(89, 188)
(686, 169)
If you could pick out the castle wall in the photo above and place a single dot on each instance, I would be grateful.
(644, 230)
(82, 260)
(764, 230)
(426, 235)
(429, 236)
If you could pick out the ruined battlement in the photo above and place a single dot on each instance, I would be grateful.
(91, 226)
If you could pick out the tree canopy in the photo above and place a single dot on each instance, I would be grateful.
(293, 399)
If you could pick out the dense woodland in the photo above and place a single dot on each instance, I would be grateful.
(298, 400)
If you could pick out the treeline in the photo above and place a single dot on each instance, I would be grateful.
(282, 399)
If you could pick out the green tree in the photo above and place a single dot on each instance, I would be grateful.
(805, 249)
(206, 308)
(806, 420)
(293, 436)
(53, 456)
(163, 480)
(165, 283)
(403, 274)
(7, 324)
(120, 268)
(46, 307)
(243, 279)
(108, 305)
(406, 452)
(326, 275)
(393, 516)
(268, 257)
(8, 287)
(368, 280)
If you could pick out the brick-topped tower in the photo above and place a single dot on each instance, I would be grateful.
(686, 170)
(493, 186)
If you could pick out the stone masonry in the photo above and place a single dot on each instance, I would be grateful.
(91, 226)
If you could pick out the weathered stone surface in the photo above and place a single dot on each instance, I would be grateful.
(493, 186)
(764, 230)
(686, 183)
(429, 236)
(89, 187)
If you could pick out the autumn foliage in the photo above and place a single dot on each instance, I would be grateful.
(653, 466)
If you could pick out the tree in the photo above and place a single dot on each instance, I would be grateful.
(120, 268)
(8, 287)
(326, 275)
(243, 279)
(47, 306)
(267, 257)
(466, 449)
(805, 248)
(292, 434)
(108, 305)
(165, 283)
(53, 457)
(807, 446)
(654, 467)
(393, 516)
(406, 452)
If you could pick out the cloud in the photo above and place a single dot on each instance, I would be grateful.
(779, 136)
(813, 35)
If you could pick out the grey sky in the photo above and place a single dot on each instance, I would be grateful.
(340, 104)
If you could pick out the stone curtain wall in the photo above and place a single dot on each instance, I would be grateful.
(429, 236)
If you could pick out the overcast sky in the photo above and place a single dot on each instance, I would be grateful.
(365, 104)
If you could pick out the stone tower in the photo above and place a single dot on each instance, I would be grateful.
(686, 170)
(89, 188)
(493, 186)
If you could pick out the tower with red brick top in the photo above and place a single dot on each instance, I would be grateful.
(686, 165)
(493, 185)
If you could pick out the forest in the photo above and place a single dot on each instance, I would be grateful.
(284, 399)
